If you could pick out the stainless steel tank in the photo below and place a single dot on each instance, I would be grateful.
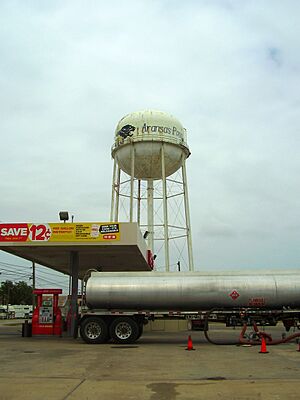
(192, 291)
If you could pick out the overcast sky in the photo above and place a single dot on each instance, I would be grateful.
(228, 70)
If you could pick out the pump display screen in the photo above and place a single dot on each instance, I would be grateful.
(46, 315)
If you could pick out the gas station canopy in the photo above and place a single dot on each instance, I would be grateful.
(106, 246)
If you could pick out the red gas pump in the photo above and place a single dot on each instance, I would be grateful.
(46, 318)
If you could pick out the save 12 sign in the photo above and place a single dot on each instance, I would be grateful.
(24, 232)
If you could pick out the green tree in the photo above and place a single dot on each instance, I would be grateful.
(15, 293)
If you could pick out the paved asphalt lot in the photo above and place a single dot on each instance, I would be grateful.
(157, 367)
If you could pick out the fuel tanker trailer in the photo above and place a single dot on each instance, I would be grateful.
(118, 304)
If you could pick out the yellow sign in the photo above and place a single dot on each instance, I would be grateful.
(60, 232)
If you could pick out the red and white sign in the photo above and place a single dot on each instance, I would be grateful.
(24, 232)
(14, 232)
(234, 295)
(39, 233)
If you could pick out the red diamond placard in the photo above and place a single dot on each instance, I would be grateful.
(234, 295)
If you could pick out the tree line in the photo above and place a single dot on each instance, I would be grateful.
(15, 293)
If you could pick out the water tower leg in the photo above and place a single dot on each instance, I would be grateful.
(113, 191)
(165, 210)
(150, 212)
(117, 198)
(131, 183)
(139, 203)
(187, 217)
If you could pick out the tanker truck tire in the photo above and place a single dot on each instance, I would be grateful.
(124, 330)
(94, 330)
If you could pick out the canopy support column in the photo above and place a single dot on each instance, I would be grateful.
(74, 268)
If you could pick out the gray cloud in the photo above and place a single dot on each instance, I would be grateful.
(228, 70)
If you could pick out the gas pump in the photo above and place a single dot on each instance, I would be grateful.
(46, 318)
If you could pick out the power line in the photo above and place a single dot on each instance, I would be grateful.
(8, 272)
(37, 277)
(13, 274)
(49, 272)
(54, 283)
(20, 275)
(14, 265)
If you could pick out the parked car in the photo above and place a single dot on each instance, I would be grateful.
(3, 313)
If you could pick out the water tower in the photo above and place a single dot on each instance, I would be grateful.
(150, 184)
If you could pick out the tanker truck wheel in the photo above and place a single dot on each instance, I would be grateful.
(94, 330)
(124, 330)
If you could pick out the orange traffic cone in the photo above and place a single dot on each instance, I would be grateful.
(190, 344)
(263, 347)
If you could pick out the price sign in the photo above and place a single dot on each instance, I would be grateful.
(41, 232)
(59, 232)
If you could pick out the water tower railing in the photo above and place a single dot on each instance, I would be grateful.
(158, 138)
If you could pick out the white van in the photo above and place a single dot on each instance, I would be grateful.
(20, 311)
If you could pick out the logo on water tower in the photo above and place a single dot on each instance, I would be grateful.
(126, 131)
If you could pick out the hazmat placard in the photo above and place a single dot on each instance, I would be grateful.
(60, 232)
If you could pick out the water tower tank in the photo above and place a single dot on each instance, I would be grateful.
(145, 133)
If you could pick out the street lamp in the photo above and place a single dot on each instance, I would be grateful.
(64, 216)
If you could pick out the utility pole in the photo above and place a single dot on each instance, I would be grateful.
(9, 288)
(8, 292)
